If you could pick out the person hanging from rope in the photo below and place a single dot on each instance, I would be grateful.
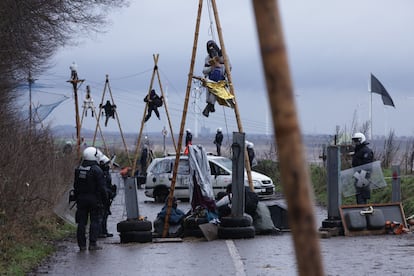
(88, 102)
(109, 111)
(214, 70)
(154, 101)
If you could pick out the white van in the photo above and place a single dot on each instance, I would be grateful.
(160, 172)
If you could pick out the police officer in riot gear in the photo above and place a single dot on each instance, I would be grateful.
(90, 195)
(362, 155)
(105, 164)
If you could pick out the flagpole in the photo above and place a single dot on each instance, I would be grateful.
(370, 109)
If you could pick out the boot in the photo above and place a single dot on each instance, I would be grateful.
(206, 111)
(211, 107)
(93, 247)
(147, 118)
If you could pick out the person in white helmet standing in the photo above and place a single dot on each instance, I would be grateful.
(218, 140)
(362, 155)
(250, 153)
(90, 194)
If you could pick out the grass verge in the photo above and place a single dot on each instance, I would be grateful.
(23, 250)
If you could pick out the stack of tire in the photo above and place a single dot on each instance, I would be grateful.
(190, 225)
(236, 227)
(135, 230)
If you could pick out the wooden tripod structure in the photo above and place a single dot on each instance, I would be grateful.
(108, 87)
(185, 108)
(85, 109)
(154, 73)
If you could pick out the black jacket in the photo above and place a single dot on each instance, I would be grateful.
(219, 138)
(90, 182)
(363, 155)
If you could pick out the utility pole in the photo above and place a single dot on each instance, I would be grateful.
(75, 81)
(31, 80)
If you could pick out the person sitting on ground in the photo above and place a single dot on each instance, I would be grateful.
(154, 101)
(224, 202)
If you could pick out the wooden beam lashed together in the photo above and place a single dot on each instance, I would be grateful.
(185, 107)
(155, 72)
(108, 87)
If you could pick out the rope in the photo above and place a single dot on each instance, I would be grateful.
(210, 16)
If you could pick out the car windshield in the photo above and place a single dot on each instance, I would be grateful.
(224, 162)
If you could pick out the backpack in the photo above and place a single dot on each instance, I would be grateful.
(217, 74)
(158, 102)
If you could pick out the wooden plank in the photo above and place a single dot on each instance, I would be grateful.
(159, 240)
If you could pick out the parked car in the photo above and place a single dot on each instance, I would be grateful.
(160, 173)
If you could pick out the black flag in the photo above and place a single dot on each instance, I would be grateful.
(377, 87)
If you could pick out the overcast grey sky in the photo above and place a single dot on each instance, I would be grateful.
(333, 47)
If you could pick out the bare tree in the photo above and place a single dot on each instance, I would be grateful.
(31, 31)
(390, 150)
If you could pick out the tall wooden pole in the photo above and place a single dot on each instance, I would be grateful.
(231, 88)
(75, 80)
(294, 174)
(183, 119)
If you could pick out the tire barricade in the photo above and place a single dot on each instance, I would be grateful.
(236, 228)
(135, 230)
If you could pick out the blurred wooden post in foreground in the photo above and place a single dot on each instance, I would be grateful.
(294, 173)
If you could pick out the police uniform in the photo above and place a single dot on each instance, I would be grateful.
(90, 194)
(363, 155)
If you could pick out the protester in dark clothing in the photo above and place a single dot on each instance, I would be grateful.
(188, 140)
(110, 190)
(154, 101)
(109, 111)
(218, 140)
(188, 137)
(214, 69)
(362, 155)
(90, 194)
(143, 160)
(250, 152)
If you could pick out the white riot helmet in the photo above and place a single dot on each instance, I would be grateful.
(358, 137)
(104, 159)
(219, 129)
(91, 154)
(188, 130)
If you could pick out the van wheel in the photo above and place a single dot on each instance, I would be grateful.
(161, 194)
